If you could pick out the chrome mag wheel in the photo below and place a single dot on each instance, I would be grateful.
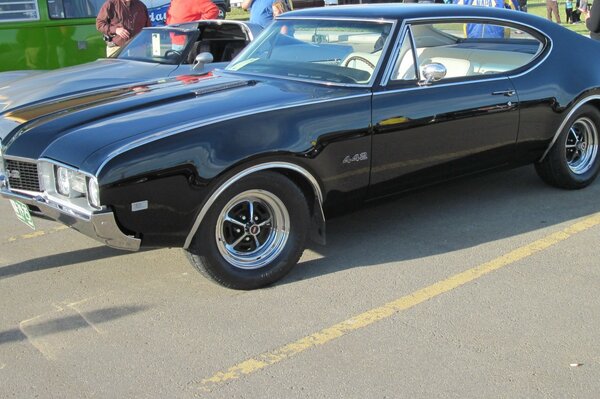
(581, 146)
(252, 229)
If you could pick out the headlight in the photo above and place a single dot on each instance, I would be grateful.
(63, 180)
(72, 184)
(93, 192)
(69, 182)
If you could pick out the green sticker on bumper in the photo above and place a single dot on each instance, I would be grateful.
(22, 213)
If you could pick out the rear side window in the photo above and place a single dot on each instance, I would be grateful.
(466, 49)
(68, 9)
(18, 10)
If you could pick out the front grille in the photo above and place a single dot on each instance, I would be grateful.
(22, 175)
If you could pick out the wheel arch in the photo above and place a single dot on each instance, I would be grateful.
(593, 100)
(305, 180)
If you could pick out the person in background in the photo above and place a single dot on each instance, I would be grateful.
(279, 7)
(576, 16)
(119, 21)
(523, 5)
(191, 10)
(592, 20)
(552, 8)
(186, 11)
(569, 11)
(261, 11)
(487, 30)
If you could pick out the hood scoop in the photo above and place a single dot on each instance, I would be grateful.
(223, 87)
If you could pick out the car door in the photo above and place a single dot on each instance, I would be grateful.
(466, 121)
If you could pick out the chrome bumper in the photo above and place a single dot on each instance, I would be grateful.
(100, 225)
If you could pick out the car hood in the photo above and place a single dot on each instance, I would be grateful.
(17, 90)
(83, 131)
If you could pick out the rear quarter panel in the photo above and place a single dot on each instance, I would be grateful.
(549, 91)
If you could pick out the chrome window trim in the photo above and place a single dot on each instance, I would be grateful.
(392, 59)
(317, 82)
(413, 50)
(196, 124)
(439, 85)
(256, 168)
(539, 61)
(566, 119)
(369, 84)
(349, 19)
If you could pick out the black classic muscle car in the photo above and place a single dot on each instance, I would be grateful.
(326, 108)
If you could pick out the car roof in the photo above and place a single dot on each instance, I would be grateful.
(411, 11)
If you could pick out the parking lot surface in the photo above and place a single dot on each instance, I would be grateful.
(483, 288)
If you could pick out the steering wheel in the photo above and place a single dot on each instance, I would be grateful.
(170, 53)
(358, 58)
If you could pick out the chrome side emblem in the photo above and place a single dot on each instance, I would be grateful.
(355, 158)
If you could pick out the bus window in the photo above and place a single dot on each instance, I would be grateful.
(19, 11)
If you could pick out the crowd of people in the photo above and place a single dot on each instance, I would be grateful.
(120, 20)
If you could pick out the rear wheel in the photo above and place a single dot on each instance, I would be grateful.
(253, 234)
(572, 162)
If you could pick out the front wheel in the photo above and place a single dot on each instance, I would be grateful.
(572, 162)
(253, 234)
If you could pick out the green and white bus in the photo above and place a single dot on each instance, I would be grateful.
(48, 34)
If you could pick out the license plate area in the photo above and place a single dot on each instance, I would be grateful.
(22, 212)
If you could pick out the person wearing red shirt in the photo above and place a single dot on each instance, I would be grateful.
(191, 10)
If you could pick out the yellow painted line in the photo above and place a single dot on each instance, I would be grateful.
(35, 234)
(365, 319)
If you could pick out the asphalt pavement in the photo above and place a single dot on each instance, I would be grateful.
(481, 288)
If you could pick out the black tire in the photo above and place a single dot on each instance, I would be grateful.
(572, 162)
(239, 254)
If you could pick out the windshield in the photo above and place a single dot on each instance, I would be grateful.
(332, 51)
(161, 46)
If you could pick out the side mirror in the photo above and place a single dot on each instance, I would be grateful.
(432, 73)
(201, 60)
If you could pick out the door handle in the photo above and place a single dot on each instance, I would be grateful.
(507, 93)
